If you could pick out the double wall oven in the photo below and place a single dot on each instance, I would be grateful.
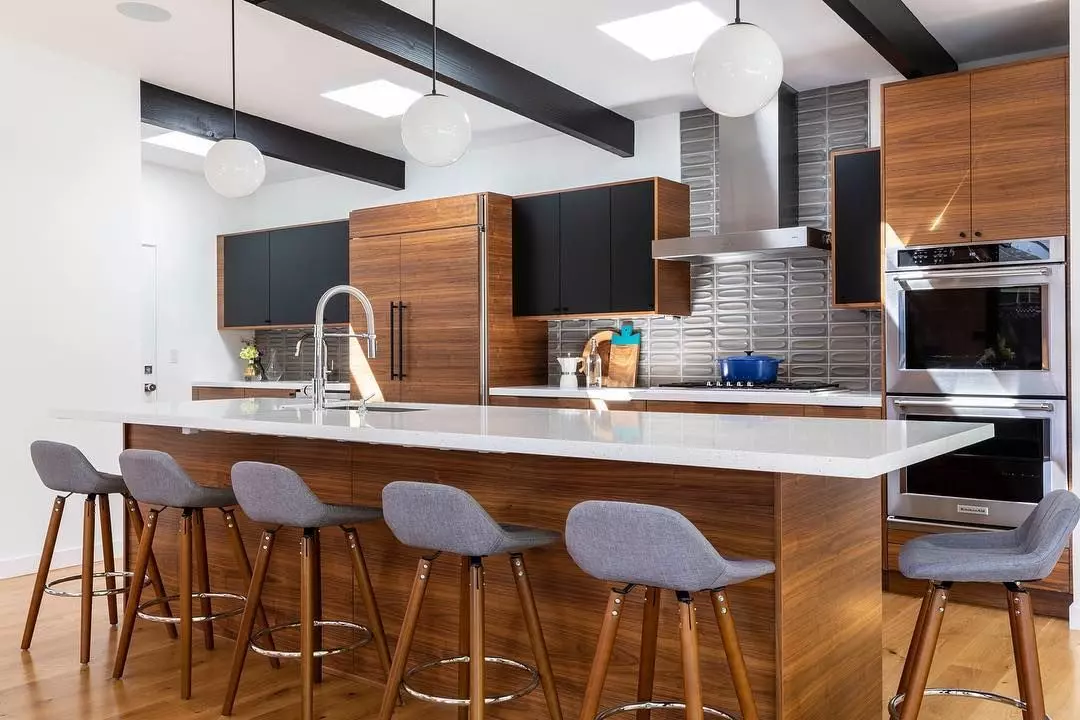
(977, 333)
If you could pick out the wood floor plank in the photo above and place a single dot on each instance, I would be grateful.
(47, 683)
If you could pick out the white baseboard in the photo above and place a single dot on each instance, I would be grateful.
(1074, 616)
(62, 558)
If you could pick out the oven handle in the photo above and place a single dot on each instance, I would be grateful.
(973, 274)
(1030, 406)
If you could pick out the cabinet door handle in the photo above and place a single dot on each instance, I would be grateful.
(393, 369)
(401, 340)
(963, 235)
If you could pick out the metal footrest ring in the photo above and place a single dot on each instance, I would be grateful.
(534, 680)
(175, 619)
(50, 588)
(365, 637)
(898, 700)
(659, 705)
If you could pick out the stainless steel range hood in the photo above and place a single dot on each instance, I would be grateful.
(741, 246)
(753, 167)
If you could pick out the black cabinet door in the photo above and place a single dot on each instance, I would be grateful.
(585, 251)
(304, 263)
(246, 281)
(536, 255)
(857, 228)
(633, 227)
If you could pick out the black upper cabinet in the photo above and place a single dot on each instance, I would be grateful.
(304, 263)
(585, 250)
(246, 289)
(536, 255)
(276, 277)
(856, 241)
(633, 218)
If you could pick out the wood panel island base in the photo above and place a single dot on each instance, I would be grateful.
(811, 633)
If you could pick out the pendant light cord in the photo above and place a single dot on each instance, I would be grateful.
(738, 14)
(234, 69)
(434, 47)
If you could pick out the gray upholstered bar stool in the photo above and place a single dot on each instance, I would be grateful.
(154, 478)
(660, 549)
(445, 519)
(66, 471)
(274, 497)
(1010, 557)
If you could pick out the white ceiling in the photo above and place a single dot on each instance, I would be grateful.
(284, 67)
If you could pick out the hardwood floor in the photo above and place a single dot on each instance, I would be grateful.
(47, 682)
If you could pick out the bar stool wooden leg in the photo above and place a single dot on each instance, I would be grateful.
(604, 647)
(136, 520)
(252, 609)
(650, 624)
(1027, 666)
(185, 603)
(202, 574)
(367, 594)
(924, 654)
(131, 604)
(316, 584)
(920, 623)
(405, 638)
(43, 570)
(536, 635)
(308, 599)
(244, 564)
(107, 553)
(463, 635)
(736, 662)
(87, 591)
(691, 657)
(476, 639)
(1011, 608)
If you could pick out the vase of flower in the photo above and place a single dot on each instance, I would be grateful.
(273, 371)
(250, 355)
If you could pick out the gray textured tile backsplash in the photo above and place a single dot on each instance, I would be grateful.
(780, 307)
(300, 368)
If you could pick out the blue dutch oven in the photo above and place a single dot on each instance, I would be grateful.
(748, 368)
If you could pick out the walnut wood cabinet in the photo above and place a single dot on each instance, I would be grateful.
(977, 156)
(438, 274)
(202, 392)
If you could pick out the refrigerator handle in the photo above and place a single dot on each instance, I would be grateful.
(401, 340)
(393, 370)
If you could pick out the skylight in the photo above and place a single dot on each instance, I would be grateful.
(378, 97)
(679, 30)
(182, 142)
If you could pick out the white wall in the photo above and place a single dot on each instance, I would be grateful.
(182, 217)
(69, 183)
(1074, 275)
(548, 163)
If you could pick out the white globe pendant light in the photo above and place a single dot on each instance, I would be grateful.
(738, 69)
(435, 129)
(234, 168)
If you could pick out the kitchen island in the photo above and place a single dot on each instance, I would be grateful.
(802, 492)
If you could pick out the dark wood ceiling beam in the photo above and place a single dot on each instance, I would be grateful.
(175, 111)
(397, 36)
(894, 31)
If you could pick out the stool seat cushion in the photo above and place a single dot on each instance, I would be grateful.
(445, 518)
(275, 495)
(64, 469)
(1026, 553)
(651, 545)
(155, 478)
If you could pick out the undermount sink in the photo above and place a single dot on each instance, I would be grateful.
(351, 405)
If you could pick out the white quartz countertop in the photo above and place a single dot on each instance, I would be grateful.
(812, 446)
(267, 385)
(840, 398)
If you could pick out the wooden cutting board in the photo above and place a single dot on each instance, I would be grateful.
(618, 363)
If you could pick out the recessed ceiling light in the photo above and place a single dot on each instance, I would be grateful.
(182, 142)
(378, 97)
(679, 30)
(144, 12)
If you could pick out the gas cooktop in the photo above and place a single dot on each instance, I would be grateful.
(808, 386)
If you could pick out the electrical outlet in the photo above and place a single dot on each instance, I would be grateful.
(174, 356)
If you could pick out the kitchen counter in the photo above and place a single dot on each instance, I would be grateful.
(298, 385)
(790, 490)
(770, 397)
(809, 446)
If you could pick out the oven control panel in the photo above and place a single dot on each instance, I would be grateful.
(1011, 252)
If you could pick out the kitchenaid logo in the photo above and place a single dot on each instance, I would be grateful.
(973, 510)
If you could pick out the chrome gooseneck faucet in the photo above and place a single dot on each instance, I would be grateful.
(318, 382)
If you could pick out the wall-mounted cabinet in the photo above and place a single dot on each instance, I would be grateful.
(977, 156)
(855, 179)
(274, 278)
(588, 252)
